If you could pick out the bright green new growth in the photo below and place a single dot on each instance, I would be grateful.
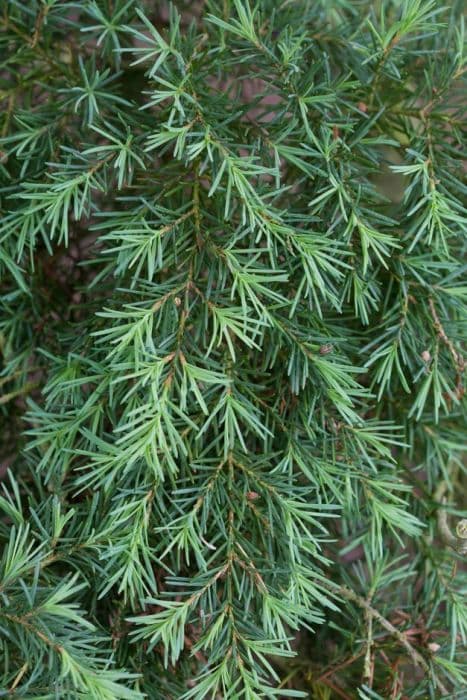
(231, 308)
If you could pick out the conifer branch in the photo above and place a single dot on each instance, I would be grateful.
(231, 321)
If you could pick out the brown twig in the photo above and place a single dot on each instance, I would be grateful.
(457, 357)
(338, 691)
(41, 16)
(368, 665)
(343, 664)
(415, 656)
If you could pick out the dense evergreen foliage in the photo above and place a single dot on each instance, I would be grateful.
(232, 301)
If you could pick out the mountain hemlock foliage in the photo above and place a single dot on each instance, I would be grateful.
(232, 306)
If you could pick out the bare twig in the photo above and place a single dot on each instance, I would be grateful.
(415, 656)
(368, 662)
(457, 357)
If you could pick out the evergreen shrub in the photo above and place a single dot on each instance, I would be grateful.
(232, 304)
